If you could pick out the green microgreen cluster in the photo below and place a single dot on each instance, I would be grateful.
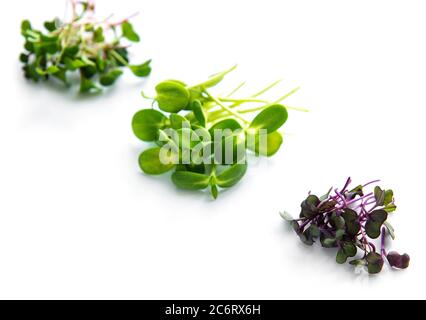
(205, 138)
(349, 220)
(94, 49)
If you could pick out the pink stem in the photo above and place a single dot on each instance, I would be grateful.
(115, 24)
(369, 183)
(383, 251)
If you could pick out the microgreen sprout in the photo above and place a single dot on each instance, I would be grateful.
(349, 220)
(93, 48)
(205, 138)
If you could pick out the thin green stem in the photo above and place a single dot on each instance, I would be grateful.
(65, 40)
(146, 96)
(220, 104)
(242, 100)
(236, 89)
(217, 77)
(208, 105)
(287, 95)
(119, 58)
(237, 104)
(266, 89)
(251, 110)
(216, 119)
(215, 114)
(263, 107)
(277, 102)
(32, 34)
(297, 109)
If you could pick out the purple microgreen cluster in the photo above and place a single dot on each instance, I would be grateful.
(349, 220)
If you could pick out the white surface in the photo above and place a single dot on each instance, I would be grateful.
(78, 219)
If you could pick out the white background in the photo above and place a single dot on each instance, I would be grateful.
(79, 220)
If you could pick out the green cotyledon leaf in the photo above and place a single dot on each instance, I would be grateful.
(190, 180)
(152, 163)
(231, 176)
(141, 70)
(129, 32)
(197, 108)
(110, 78)
(172, 96)
(146, 124)
(266, 145)
(270, 119)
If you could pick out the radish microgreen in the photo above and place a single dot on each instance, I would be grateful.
(349, 220)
